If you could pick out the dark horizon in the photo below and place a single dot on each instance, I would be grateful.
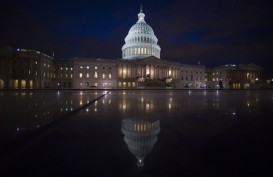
(212, 32)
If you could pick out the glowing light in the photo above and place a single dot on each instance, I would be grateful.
(147, 106)
(80, 102)
(95, 110)
(170, 106)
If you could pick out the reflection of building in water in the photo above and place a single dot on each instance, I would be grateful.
(140, 137)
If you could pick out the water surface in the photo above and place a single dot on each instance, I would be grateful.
(155, 133)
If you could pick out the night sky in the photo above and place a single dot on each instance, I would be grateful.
(214, 32)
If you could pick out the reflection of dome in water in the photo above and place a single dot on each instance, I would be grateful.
(140, 137)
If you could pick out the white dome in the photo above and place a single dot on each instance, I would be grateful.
(141, 41)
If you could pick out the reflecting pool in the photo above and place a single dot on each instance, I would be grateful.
(141, 133)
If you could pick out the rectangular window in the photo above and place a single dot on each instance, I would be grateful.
(80, 75)
(110, 76)
(103, 75)
(96, 74)
(87, 75)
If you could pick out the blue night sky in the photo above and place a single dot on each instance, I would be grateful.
(214, 32)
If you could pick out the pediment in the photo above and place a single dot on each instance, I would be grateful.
(152, 60)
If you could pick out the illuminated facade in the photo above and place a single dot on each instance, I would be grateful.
(25, 69)
(139, 67)
(244, 76)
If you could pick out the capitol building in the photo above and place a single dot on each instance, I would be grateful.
(140, 66)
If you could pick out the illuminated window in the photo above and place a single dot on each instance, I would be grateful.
(36, 62)
(170, 72)
(96, 74)
(61, 68)
(29, 72)
(103, 75)
(66, 68)
(96, 67)
(110, 76)
(96, 84)
(87, 75)
(71, 69)
(81, 84)
(81, 67)
(71, 76)
(87, 67)
(36, 73)
(66, 75)
(80, 75)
